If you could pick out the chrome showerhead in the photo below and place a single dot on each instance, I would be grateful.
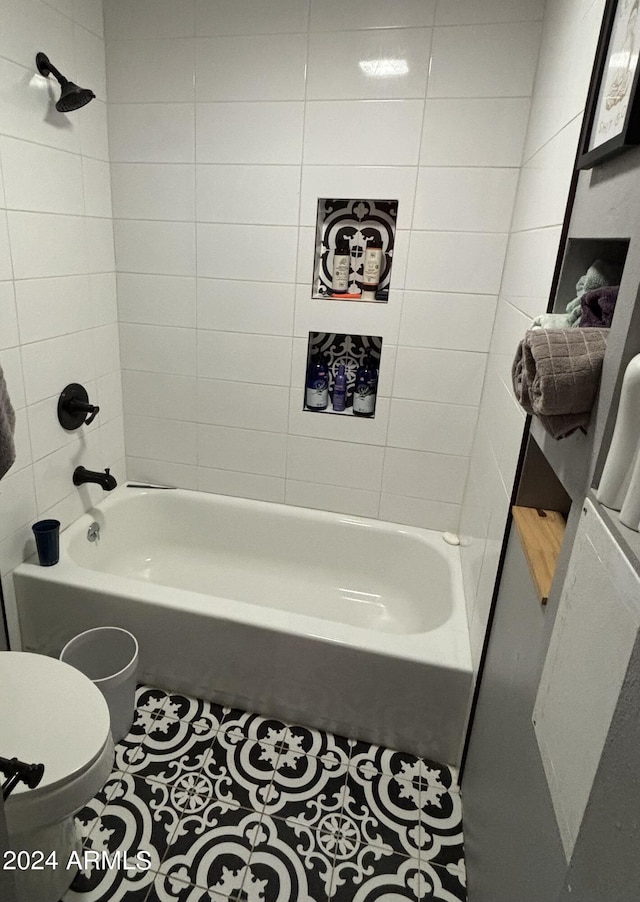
(71, 96)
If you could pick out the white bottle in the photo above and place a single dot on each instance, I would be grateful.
(371, 272)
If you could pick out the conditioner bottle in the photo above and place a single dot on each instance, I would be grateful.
(340, 389)
(317, 386)
(366, 389)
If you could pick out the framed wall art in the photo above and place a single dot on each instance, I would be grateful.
(612, 114)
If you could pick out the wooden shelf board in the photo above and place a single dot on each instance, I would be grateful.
(541, 533)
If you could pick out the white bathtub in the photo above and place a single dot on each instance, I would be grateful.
(351, 625)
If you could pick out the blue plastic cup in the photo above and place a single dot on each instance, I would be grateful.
(47, 533)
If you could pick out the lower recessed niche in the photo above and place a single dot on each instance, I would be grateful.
(351, 351)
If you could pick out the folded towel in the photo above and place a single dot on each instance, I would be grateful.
(556, 373)
(598, 307)
(7, 426)
(599, 274)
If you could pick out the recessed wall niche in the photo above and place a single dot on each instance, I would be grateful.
(353, 352)
(352, 234)
(579, 255)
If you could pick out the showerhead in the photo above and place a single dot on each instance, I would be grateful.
(71, 96)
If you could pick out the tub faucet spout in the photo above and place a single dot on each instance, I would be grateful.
(106, 480)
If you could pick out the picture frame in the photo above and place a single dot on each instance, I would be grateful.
(612, 114)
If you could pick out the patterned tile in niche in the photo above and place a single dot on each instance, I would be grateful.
(172, 748)
(211, 851)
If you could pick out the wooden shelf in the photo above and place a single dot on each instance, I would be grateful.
(541, 533)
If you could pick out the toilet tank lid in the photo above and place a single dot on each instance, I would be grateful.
(50, 713)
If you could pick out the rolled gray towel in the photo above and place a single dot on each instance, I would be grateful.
(7, 427)
(556, 374)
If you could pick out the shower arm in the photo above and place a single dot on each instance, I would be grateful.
(46, 68)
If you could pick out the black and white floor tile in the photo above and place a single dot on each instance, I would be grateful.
(230, 806)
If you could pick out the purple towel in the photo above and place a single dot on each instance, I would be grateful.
(598, 307)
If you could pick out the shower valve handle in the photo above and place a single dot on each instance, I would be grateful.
(73, 407)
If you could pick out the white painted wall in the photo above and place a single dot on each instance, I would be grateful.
(58, 310)
(569, 38)
(227, 120)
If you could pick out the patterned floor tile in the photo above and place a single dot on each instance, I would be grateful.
(290, 863)
(240, 771)
(374, 873)
(318, 743)
(254, 726)
(304, 786)
(172, 889)
(383, 812)
(172, 748)
(139, 817)
(368, 759)
(150, 700)
(236, 807)
(441, 839)
(212, 851)
(113, 887)
(183, 707)
(390, 877)
(89, 815)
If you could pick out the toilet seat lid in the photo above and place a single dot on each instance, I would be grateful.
(50, 713)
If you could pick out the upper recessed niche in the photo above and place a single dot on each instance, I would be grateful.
(352, 233)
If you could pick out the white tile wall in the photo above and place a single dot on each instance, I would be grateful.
(549, 148)
(233, 68)
(473, 61)
(217, 167)
(364, 57)
(58, 298)
(474, 131)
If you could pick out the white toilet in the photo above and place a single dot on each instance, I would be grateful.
(50, 713)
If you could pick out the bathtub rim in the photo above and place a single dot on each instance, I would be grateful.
(445, 646)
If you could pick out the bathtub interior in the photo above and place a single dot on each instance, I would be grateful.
(344, 569)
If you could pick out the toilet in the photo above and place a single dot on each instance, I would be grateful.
(50, 713)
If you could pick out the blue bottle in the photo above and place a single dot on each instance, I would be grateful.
(317, 387)
(340, 389)
(365, 389)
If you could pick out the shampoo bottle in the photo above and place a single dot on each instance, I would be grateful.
(366, 388)
(371, 272)
(340, 389)
(341, 267)
(317, 387)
